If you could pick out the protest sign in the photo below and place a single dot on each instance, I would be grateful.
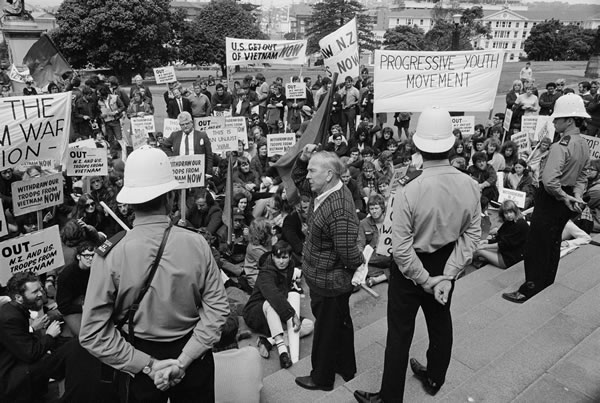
(87, 162)
(242, 52)
(139, 137)
(458, 81)
(223, 113)
(38, 252)
(279, 143)
(594, 144)
(170, 126)
(3, 223)
(222, 137)
(544, 128)
(34, 127)
(147, 122)
(528, 123)
(46, 165)
(164, 75)
(87, 143)
(507, 118)
(515, 195)
(241, 124)
(188, 170)
(384, 243)
(466, 124)
(19, 76)
(37, 194)
(295, 90)
(522, 140)
(340, 51)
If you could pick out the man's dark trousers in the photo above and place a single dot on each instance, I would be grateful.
(404, 300)
(333, 339)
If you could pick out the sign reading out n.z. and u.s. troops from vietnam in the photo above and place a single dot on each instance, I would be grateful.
(340, 51)
(164, 75)
(242, 52)
(466, 124)
(34, 127)
(188, 170)
(295, 90)
(87, 162)
(37, 194)
(39, 252)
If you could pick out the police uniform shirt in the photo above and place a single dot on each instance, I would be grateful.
(564, 166)
(429, 212)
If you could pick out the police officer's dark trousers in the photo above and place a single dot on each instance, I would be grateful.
(542, 251)
(404, 300)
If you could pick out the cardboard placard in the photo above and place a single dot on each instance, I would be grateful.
(222, 138)
(39, 252)
(384, 244)
(37, 194)
(3, 223)
(340, 51)
(164, 75)
(188, 170)
(241, 123)
(170, 126)
(515, 195)
(295, 90)
(528, 123)
(139, 137)
(507, 118)
(279, 143)
(544, 128)
(466, 124)
(522, 140)
(87, 162)
(147, 122)
(594, 144)
(224, 113)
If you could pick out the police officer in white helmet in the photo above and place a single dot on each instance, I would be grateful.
(436, 229)
(180, 308)
(558, 198)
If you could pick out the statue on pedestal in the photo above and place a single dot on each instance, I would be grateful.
(16, 8)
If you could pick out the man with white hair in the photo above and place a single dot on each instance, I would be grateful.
(138, 86)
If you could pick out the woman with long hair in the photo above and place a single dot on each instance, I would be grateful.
(510, 152)
(519, 179)
(495, 159)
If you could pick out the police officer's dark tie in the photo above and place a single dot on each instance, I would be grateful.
(187, 144)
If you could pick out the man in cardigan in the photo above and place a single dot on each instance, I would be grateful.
(331, 257)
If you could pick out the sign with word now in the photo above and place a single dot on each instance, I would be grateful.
(146, 122)
(458, 81)
(87, 162)
(279, 143)
(39, 252)
(164, 75)
(188, 170)
(340, 51)
(37, 194)
(255, 51)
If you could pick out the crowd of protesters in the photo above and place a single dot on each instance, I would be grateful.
(268, 229)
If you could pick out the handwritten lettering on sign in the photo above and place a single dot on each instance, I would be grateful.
(87, 162)
(250, 51)
(37, 194)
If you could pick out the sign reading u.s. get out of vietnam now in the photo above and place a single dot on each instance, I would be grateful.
(458, 81)
(34, 127)
(340, 51)
(250, 51)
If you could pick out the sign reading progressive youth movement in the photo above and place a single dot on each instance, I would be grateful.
(340, 51)
(250, 51)
(39, 252)
(34, 128)
(37, 194)
(459, 81)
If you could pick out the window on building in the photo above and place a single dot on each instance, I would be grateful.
(516, 25)
(397, 21)
(421, 22)
(516, 34)
(525, 25)
(497, 24)
(503, 24)
(522, 45)
(487, 44)
(514, 45)
(409, 21)
(509, 23)
(505, 45)
(512, 56)
(534, 24)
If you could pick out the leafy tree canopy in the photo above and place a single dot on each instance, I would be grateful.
(553, 40)
(404, 37)
(329, 15)
(127, 35)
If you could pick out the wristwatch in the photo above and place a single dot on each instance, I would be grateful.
(148, 368)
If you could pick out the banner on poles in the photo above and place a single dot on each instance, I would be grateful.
(147, 122)
(39, 252)
(222, 131)
(466, 124)
(87, 162)
(458, 80)
(295, 90)
(279, 143)
(170, 126)
(594, 144)
(3, 223)
(242, 52)
(34, 127)
(188, 170)
(37, 194)
(164, 75)
(340, 51)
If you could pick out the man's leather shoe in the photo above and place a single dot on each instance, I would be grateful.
(264, 347)
(367, 397)
(515, 297)
(420, 371)
(307, 382)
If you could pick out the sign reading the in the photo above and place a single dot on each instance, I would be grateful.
(87, 162)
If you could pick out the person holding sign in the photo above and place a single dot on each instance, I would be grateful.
(558, 198)
(520, 179)
(435, 230)
(188, 141)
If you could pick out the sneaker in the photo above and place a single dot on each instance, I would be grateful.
(264, 347)
(284, 360)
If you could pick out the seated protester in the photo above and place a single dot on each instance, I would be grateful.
(218, 181)
(87, 215)
(268, 307)
(139, 107)
(260, 163)
(497, 129)
(384, 189)
(245, 176)
(486, 176)
(381, 144)
(510, 152)
(368, 154)
(535, 160)
(235, 254)
(25, 365)
(276, 211)
(458, 150)
(458, 134)
(204, 214)
(397, 152)
(260, 242)
(385, 165)
(519, 179)
(354, 162)
(258, 122)
(507, 246)
(364, 134)
(72, 284)
(241, 200)
(126, 214)
(73, 234)
(477, 145)
(573, 235)
(367, 180)
(7, 177)
(368, 234)
(352, 185)
(495, 159)
(337, 146)
(592, 194)
(294, 228)
(459, 162)
(102, 191)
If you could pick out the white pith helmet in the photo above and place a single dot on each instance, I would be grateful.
(569, 106)
(434, 131)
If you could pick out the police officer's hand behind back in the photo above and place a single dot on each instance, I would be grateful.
(433, 281)
(574, 204)
(441, 291)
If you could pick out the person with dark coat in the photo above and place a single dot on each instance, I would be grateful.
(486, 177)
(520, 179)
(178, 104)
(294, 228)
(205, 214)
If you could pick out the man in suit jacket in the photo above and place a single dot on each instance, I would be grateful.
(178, 104)
(197, 141)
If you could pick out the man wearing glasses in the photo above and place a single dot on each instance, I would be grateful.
(560, 86)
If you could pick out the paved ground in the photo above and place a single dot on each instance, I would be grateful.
(546, 350)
